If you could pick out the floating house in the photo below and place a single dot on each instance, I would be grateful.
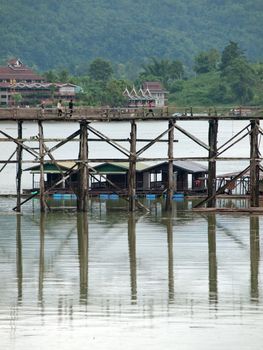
(241, 185)
(52, 174)
(189, 177)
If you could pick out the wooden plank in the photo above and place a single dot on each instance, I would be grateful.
(120, 114)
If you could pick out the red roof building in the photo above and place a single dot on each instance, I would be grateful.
(18, 79)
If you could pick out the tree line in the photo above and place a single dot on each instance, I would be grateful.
(226, 77)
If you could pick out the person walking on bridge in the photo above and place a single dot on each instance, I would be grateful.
(59, 108)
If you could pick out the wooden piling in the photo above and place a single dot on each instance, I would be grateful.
(254, 164)
(132, 167)
(41, 162)
(19, 150)
(83, 175)
(170, 184)
(211, 183)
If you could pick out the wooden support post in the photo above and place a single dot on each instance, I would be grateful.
(170, 184)
(19, 150)
(41, 160)
(83, 178)
(254, 164)
(132, 168)
(211, 183)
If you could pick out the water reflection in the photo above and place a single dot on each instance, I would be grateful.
(19, 261)
(212, 258)
(41, 273)
(254, 257)
(83, 249)
(110, 268)
(170, 258)
(132, 255)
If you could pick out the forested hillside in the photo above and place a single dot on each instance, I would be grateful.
(65, 33)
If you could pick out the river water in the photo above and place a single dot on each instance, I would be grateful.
(114, 280)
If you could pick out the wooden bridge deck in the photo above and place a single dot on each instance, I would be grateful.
(122, 114)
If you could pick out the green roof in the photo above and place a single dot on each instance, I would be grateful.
(119, 168)
(51, 168)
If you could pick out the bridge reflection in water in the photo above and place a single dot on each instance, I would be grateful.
(113, 268)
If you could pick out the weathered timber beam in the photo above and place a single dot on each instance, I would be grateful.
(254, 164)
(143, 149)
(170, 184)
(124, 160)
(19, 166)
(43, 205)
(223, 188)
(46, 140)
(233, 137)
(8, 161)
(233, 143)
(132, 168)
(68, 173)
(192, 137)
(120, 148)
(211, 181)
(26, 148)
(69, 138)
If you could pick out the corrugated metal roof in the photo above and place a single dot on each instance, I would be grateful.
(191, 167)
(51, 168)
(247, 174)
(119, 168)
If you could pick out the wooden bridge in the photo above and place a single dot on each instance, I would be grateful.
(84, 117)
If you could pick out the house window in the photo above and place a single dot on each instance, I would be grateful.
(3, 96)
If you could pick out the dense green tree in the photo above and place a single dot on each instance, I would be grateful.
(63, 76)
(114, 93)
(230, 53)
(207, 61)
(51, 76)
(241, 78)
(100, 69)
(162, 70)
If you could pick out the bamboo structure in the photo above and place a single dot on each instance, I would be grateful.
(87, 118)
